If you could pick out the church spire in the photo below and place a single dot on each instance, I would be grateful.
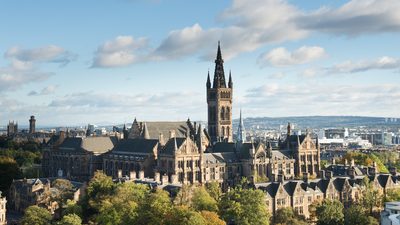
(145, 132)
(219, 74)
(241, 134)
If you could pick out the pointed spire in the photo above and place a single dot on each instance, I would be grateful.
(241, 134)
(230, 83)
(208, 84)
(219, 74)
(288, 129)
(145, 131)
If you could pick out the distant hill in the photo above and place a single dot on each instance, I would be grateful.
(320, 121)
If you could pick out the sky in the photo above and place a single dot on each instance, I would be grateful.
(107, 62)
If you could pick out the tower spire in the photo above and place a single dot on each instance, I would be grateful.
(230, 83)
(219, 74)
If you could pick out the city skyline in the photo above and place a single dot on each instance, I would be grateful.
(149, 59)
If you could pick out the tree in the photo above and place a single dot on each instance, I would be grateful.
(356, 215)
(9, 170)
(122, 206)
(65, 191)
(73, 208)
(203, 201)
(155, 208)
(70, 219)
(287, 216)
(330, 213)
(214, 190)
(99, 188)
(185, 195)
(372, 198)
(244, 206)
(212, 218)
(182, 215)
(392, 195)
(34, 215)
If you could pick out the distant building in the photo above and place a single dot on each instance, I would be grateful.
(12, 128)
(32, 124)
(391, 214)
(336, 133)
(3, 210)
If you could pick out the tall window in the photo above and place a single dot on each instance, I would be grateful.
(223, 113)
(228, 113)
(223, 131)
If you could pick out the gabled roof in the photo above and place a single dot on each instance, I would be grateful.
(339, 183)
(169, 147)
(136, 146)
(225, 157)
(383, 179)
(246, 149)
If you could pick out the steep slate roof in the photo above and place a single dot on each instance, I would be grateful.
(92, 144)
(245, 150)
(293, 142)
(169, 147)
(226, 157)
(224, 147)
(339, 183)
(135, 146)
(155, 128)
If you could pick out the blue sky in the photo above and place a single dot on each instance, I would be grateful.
(106, 62)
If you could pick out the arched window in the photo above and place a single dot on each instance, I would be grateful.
(223, 113)
(228, 113)
(223, 131)
(228, 131)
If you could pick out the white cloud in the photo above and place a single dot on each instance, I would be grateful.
(322, 99)
(282, 57)
(382, 63)
(50, 53)
(121, 51)
(45, 91)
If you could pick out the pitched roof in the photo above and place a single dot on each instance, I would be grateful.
(223, 147)
(224, 157)
(169, 147)
(136, 146)
(156, 128)
(92, 144)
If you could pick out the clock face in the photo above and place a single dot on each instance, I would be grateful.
(60, 173)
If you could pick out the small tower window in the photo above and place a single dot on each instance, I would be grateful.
(223, 113)
(228, 113)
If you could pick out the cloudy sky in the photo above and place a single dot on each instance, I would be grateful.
(105, 62)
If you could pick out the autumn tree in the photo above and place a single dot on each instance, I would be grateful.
(203, 201)
(70, 219)
(212, 218)
(214, 190)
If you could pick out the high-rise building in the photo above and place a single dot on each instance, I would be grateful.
(32, 124)
(219, 101)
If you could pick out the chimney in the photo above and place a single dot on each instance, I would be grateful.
(164, 179)
(345, 162)
(157, 176)
(322, 174)
(352, 172)
(172, 134)
(132, 175)
(141, 175)
(174, 179)
(305, 177)
(273, 178)
(119, 173)
(352, 162)
(281, 178)
(393, 170)
(329, 174)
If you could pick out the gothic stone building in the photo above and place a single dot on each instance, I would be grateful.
(185, 153)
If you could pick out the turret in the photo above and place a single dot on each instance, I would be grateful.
(230, 83)
(208, 84)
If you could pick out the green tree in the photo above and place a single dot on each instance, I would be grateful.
(155, 208)
(182, 215)
(9, 170)
(392, 195)
(214, 190)
(356, 215)
(330, 213)
(73, 208)
(286, 216)
(372, 198)
(99, 188)
(185, 195)
(34, 215)
(244, 206)
(203, 201)
(70, 219)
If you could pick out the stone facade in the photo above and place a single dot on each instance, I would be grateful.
(3, 210)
